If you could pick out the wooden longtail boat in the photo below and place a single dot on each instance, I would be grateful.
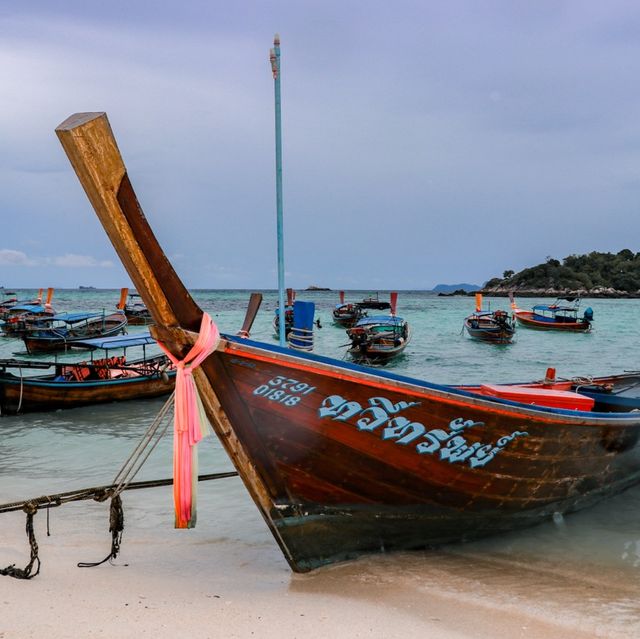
(22, 317)
(67, 330)
(609, 394)
(496, 327)
(378, 339)
(556, 317)
(374, 303)
(347, 314)
(11, 301)
(136, 312)
(100, 380)
(342, 460)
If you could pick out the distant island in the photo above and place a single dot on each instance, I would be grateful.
(455, 289)
(87, 288)
(592, 275)
(316, 288)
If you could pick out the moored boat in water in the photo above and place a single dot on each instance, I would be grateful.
(496, 327)
(67, 330)
(611, 393)
(342, 460)
(133, 307)
(379, 338)
(11, 300)
(558, 316)
(95, 381)
(347, 314)
(22, 317)
(374, 303)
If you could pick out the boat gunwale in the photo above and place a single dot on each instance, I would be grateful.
(38, 382)
(410, 385)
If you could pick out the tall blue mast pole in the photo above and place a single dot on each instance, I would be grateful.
(275, 68)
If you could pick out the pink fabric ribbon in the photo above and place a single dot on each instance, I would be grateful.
(190, 423)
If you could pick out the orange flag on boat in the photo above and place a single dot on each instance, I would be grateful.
(47, 304)
(123, 298)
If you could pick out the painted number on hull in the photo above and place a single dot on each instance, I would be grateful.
(283, 390)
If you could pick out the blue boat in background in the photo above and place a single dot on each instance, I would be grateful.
(108, 378)
(67, 330)
(558, 316)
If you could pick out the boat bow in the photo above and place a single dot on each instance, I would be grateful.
(90, 145)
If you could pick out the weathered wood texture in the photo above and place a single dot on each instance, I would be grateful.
(346, 460)
(34, 395)
(88, 140)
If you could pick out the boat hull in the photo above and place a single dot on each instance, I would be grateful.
(490, 333)
(47, 341)
(611, 394)
(376, 355)
(343, 460)
(356, 466)
(526, 318)
(26, 395)
(136, 319)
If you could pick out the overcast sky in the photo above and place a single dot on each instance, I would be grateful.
(424, 141)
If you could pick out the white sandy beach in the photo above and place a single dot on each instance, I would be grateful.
(226, 578)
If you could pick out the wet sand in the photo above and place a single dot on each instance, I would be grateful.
(227, 578)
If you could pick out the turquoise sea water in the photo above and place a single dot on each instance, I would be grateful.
(51, 452)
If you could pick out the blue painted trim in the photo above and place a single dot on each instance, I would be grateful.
(412, 380)
(86, 384)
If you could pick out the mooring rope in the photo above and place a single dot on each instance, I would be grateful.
(98, 493)
(122, 481)
(25, 573)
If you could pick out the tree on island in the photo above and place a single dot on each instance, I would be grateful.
(619, 271)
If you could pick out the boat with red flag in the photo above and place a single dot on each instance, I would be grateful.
(342, 459)
(347, 314)
(379, 338)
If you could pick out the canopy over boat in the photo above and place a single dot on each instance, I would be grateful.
(71, 318)
(118, 341)
(381, 319)
(29, 308)
(554, 308)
